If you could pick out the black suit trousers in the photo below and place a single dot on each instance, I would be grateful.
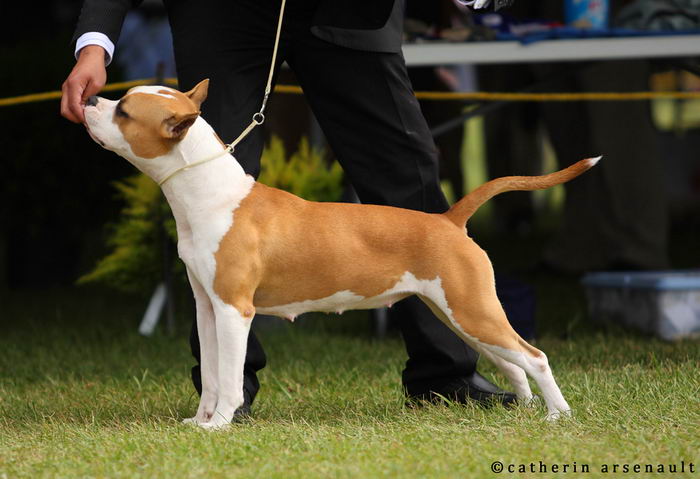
(365, 105)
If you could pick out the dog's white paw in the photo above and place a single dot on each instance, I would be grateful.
(530, 401)
(214, 425)
(218, 420)
(198, 418)
(558, 415)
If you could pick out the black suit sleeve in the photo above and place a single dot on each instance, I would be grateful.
(104, 16)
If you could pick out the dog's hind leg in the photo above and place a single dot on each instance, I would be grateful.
(206, 329)
(480, 321)
(515, 374)
(534, 362)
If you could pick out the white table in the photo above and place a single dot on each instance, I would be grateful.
(580, 49)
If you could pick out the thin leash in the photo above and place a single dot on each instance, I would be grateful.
(258, 117)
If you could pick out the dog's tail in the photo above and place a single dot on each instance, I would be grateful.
(461, 211)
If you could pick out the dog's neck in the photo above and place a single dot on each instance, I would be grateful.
(196, 193)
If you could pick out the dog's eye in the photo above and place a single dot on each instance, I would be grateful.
(120, 112)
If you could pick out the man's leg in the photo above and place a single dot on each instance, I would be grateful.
(614, 216)
(631, 192)
(366, 107)
(229, 43)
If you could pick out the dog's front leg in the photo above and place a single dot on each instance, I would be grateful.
(206, 328)
(232, 328)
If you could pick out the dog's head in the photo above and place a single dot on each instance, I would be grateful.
(145, 124)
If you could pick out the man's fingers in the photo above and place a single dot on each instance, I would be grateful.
(75, 103)
(78, 112)
(86, 79)
(93, 87)
(65, 106)
(71, 102)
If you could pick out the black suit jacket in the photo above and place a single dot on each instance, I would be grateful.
(372, 26)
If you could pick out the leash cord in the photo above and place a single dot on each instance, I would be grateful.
(258, 117)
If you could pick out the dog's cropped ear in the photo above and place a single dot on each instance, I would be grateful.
(177, 125)
(199, 93)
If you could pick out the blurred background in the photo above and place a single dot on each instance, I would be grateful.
(60, 210)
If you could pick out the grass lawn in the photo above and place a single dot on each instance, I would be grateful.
(82, 395)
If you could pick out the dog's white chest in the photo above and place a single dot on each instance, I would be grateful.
(204, 215)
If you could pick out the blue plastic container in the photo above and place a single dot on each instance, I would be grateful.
(594, 14)
(664, 303)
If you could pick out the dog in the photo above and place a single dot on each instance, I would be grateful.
(249, 248)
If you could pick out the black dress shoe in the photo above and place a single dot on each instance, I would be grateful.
(242, 414)
(463, 390)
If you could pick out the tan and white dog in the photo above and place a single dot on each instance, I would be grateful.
(250, 248)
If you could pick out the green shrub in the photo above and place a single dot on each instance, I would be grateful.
(305, 174)
(136, 240)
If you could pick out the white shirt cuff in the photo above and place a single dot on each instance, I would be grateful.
(95, 38)
(474, 3)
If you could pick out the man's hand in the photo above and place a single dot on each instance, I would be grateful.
(87, 78)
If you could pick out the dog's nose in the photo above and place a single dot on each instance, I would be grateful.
(92, 101)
